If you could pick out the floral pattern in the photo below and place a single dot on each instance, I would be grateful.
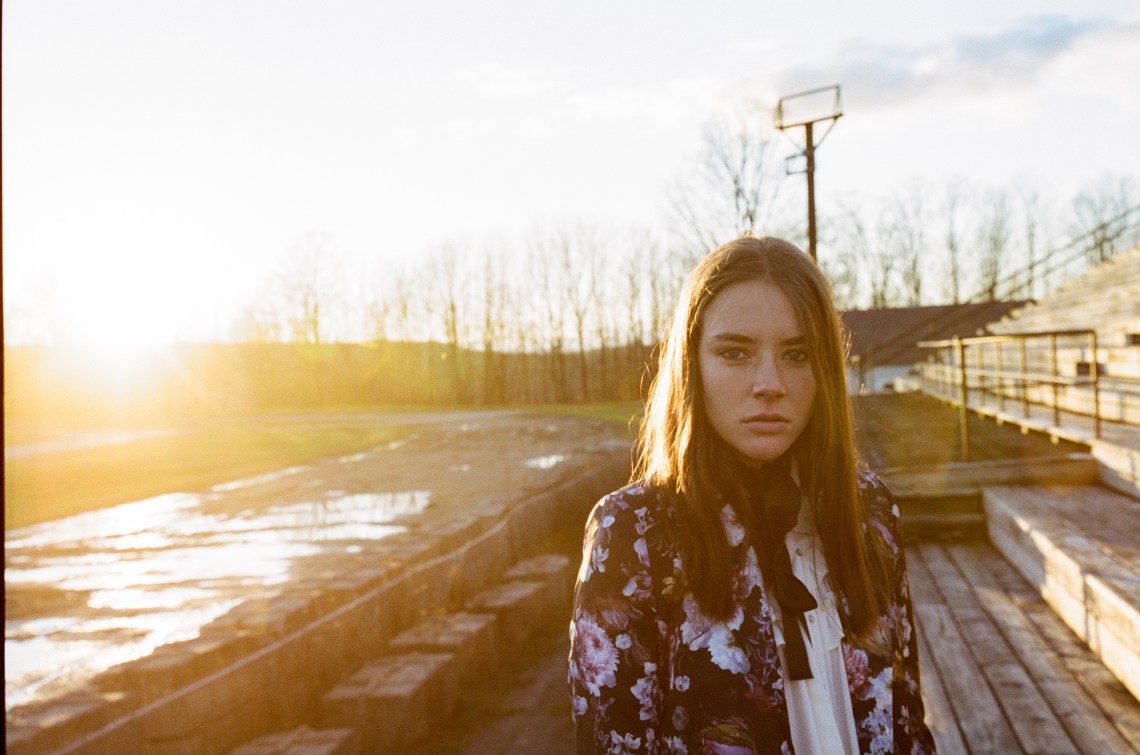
(649, 673)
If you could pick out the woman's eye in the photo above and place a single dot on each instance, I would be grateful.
(733, 355)
(796, 356)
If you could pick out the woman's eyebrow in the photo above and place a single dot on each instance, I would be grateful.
(798, 340)
(732, 338)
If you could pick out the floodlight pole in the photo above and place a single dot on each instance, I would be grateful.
(809, 154)
(835, 113)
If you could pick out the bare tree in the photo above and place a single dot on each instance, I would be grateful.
(310, 283)
(1030, 203)
(841, 266)
(733, 187)
(1103, 214)
(953, 241)
(525, 315)
(993, 242)
(868, 255)
(637, 276)
(401, 295)
(494, 293)
(260, 321)
(906, 233)
(444, 284)
(299, 301)
(376, 313)
(547, 272)
(601, 304)
(665, 278)
(882, 262)
(579, 256)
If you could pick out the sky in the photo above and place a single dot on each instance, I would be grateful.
(160, 157)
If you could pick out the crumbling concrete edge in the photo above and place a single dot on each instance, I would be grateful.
(279, 686)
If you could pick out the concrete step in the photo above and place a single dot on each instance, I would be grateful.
(553, 569)
(518, 606)
(470, 638)
(944, 501)
(304, 741)
(1080, 546)
(392, 700)
(1119, 466)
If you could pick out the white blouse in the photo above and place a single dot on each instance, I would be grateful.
(819, 709)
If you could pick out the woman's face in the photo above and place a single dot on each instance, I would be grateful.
(755, 372)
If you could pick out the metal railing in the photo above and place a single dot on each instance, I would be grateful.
(1021, 368)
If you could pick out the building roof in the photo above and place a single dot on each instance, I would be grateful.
(890, 336)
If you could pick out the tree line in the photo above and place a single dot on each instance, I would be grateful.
(572, 311)
(583, 303)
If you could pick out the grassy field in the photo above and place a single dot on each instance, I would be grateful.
(54, 484)
(625, 413)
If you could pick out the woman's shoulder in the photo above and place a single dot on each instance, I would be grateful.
(872, 490)
(882, 509)
(632, 510)
(640, 498)
(629, 523)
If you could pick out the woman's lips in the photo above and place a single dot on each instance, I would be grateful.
(767, 423)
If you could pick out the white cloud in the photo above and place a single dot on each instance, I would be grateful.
(890, 75)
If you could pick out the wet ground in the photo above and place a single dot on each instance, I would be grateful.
(89, 592)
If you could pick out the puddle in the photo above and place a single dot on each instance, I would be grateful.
(354, 458)
(75, 650)
(545, 462)
(260, 479)
(124, 519)
(156, 571)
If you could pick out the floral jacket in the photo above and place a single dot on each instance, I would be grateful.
(650, 674)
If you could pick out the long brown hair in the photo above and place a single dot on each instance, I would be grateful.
(679, 450)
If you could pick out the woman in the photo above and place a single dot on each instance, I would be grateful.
(748, 592)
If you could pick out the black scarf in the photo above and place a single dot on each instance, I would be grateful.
(773, 511)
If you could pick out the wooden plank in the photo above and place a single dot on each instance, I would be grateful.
(1078, 713)
(1034, 723)
(980, 718)
(1120, 708)
(939, 713)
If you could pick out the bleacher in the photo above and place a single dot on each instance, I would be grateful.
(1107, 300)
(1077, 545)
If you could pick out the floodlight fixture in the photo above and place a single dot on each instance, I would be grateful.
(804, 110)
(812, 106)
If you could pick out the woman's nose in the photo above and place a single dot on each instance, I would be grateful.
(767, 380)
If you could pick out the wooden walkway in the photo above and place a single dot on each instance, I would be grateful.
(1001, 673)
